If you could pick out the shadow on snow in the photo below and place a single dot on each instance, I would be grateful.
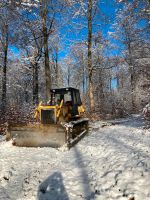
(52, 188)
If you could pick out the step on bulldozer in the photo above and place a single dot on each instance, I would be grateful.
(59, 122)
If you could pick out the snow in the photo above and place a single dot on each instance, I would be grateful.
(109, 163)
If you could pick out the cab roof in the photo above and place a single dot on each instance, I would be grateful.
(64, 90)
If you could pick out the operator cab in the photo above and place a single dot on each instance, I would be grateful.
(70, 97)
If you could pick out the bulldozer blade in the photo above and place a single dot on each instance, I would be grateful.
(55, 135)
(48, 136)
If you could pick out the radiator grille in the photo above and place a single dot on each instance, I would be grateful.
(47, 116)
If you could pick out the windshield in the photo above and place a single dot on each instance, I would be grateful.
(57, 98)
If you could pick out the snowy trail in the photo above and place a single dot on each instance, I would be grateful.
(111, 163)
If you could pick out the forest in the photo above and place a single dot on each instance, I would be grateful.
(99, 47)
(55, 145)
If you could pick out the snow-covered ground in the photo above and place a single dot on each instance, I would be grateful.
(110, 163)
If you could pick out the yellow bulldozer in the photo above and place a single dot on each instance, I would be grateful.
(59, 122)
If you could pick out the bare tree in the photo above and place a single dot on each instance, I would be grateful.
(90, 67)
(130, 35)
(44, 15)
(5, 23)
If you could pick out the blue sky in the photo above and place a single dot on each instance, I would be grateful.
(114, 83)
(14, 49)
(70, 35)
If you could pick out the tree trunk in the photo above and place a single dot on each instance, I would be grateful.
(132, 78)
(100, 91)
(90, 67)
(83, 81)
(83, 74)
(68, 77)
(92, 104)
(46, 50)
(131, 70)
(4, 78)
(35, 84)
(133, 91)
(56, 60)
